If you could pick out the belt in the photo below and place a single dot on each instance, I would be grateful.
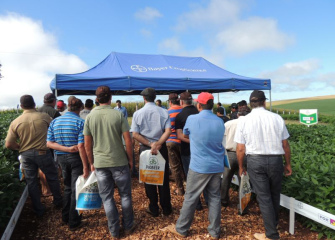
(38, 151)
(265, 155)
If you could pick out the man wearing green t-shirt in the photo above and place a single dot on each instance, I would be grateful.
(105, 127)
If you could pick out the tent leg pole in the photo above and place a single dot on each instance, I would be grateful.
(270, 101)
(56, 93)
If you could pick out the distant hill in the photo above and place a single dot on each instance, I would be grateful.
(324, 104)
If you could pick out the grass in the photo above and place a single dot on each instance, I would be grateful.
(324, 104)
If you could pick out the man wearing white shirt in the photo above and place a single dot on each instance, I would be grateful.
(262, 136)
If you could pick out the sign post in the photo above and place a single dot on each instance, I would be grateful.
(308, 116)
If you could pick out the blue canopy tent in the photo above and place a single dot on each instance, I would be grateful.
(129, 74)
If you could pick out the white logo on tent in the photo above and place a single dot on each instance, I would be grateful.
(138, 68)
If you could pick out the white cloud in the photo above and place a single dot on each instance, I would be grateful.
(217, 13)
(253, 34)
(30, 58)
(148, 14)
(300, 76)
(146, 33)
(170, 44)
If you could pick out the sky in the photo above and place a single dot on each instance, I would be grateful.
(289, 41)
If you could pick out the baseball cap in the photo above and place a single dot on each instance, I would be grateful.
(27, 101)
(185, 96)
(233, 105)
(49, 97)
(173, 96)
(257, 96)
(60, 104)
(204, 97)
(148, 92)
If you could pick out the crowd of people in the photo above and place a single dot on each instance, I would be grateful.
(81, 138)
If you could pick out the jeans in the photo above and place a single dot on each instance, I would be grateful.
(32, 160)
(107, 179)
(228, 176)
(164, 190)
(72, 168)
(175, 164)
(196, 184)
(266, 173)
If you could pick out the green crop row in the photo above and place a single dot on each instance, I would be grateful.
(313, 165)
(10, 186)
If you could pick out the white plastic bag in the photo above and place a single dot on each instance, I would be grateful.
(244, 193)
(87, 193)
(152, 168)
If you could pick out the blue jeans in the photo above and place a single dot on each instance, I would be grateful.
(266, 173)
(72, 168)
(196, 184)
(31, 161)
(107, 179)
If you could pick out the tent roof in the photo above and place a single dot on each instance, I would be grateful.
(129, 74)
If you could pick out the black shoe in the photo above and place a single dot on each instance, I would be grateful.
(167, 212)
(224, 204)
(41, 213)
(132, 229)
(152, 213)
(74, 228)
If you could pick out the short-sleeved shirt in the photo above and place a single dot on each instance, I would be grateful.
(173, 112)
(106, 127)
(262, 132)
(31, 129)
(205, 132)
(230, 129)
(66, 130)
(83, 113)
(123, 110)
(180, 123)
(53, 113)
(151, 121)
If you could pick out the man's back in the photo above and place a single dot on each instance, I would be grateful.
(173, 113)
(263, 132)
(151, 121)
(53, 113)
(180, 123)
(106, 126)
(31, 128)
(206, 132)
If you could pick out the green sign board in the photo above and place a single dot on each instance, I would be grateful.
(308, 116)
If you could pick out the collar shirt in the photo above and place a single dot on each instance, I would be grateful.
(151, 121)
(230, 133)
(123, 110)
(31, 129)
(206, 132)
(262, 132)
(66, 130)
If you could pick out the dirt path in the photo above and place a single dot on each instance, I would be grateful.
(233, 225)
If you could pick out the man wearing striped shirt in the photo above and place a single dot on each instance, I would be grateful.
(173, 145)
(65, 135)
(262, 136)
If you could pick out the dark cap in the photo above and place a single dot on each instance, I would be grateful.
(185, 96)
(257, 96)
(233, 105)
(173, 96)
(49, 97)
(27, 101)
(149, 92)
